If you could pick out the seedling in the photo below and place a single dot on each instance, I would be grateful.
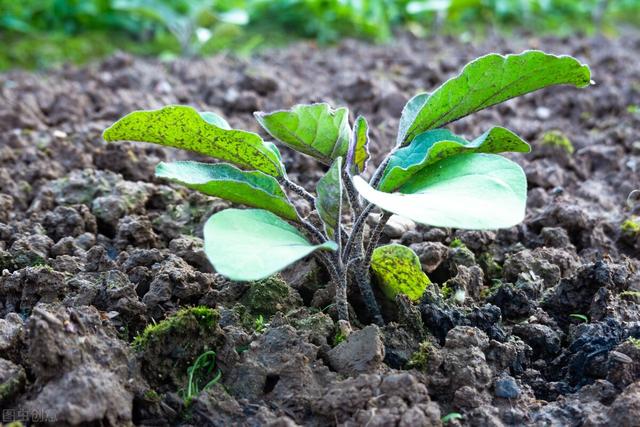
(260, 325)
(200, 372)
(451, 416)
(431, 176)
(580, 317)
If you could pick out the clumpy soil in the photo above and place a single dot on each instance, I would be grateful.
(107, 299)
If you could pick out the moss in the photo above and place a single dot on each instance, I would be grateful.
(490, 267)
(457, 243)
(152, 396)
(12, 385)
(338, 338)
(269, 296)
(634, 341)
(486, 292)
(556, 138)
(631, 227)
(205, 318)
(446, 291)
(420, 359)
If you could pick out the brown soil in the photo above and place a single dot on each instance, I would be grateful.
(93, 248)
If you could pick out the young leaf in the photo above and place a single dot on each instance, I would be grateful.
(358, 153)
(316, 129)
(434, 145)
(329, 200)
(487, 81)
(253, 244)
(230, 183)
(398, 270)
(473, 191)
(410, 112)
(183, 127)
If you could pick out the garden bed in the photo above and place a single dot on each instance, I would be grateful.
(94, 249)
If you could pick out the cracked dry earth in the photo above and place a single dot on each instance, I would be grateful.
(93, 249)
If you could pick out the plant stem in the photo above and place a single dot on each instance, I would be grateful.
(299, 190)
(352, 194)
(363, 280)
(358, 228)
(374, 238)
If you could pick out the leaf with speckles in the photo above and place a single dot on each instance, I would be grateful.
(222, 180)
(329, 199)
(434, 145)
(468, 190)
(183, 127)
(253, 244)
(487, 81)
(398, 271)
(358, 153)
(316, 129)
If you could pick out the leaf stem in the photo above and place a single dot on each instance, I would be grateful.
(374, 238)
(352, 194)
(299, 190)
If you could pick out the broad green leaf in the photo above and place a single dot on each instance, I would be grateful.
(472, 191)
(183, 127)
(214, 119)
(252, 244)
(254, 189)
(358, 153)
(434, 145)
(329, 197)
(398, 271)
(410, 112)
(316, 129)
(487, 81)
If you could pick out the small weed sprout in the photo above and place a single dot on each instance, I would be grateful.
(430, 176)
(200, 372)
(259, 324)
(580, 317)
(451, 416)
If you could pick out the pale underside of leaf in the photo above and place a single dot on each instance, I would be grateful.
(432, 146)
(329, 197)
(253, 244)
(183, 127)
(398, 270)
(254, 189)
(470, 191)
(487, 81)
(315, 129)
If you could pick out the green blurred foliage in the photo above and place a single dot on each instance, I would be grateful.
(42, 33)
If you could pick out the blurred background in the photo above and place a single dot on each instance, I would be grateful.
(37, 34)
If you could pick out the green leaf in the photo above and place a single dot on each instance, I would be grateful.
(472, 191)
(254, 189)
(358, 153)
(398, 271)
(487, 81)
(214, 119)
(183, 127)
(329, 197)
(252, 244)
(434, 145)
(410, 112)
(316, 129)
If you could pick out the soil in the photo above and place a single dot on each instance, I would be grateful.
(93, 249)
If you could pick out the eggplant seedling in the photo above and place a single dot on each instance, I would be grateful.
(431, 176)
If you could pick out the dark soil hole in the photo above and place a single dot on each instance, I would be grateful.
(270, 383)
